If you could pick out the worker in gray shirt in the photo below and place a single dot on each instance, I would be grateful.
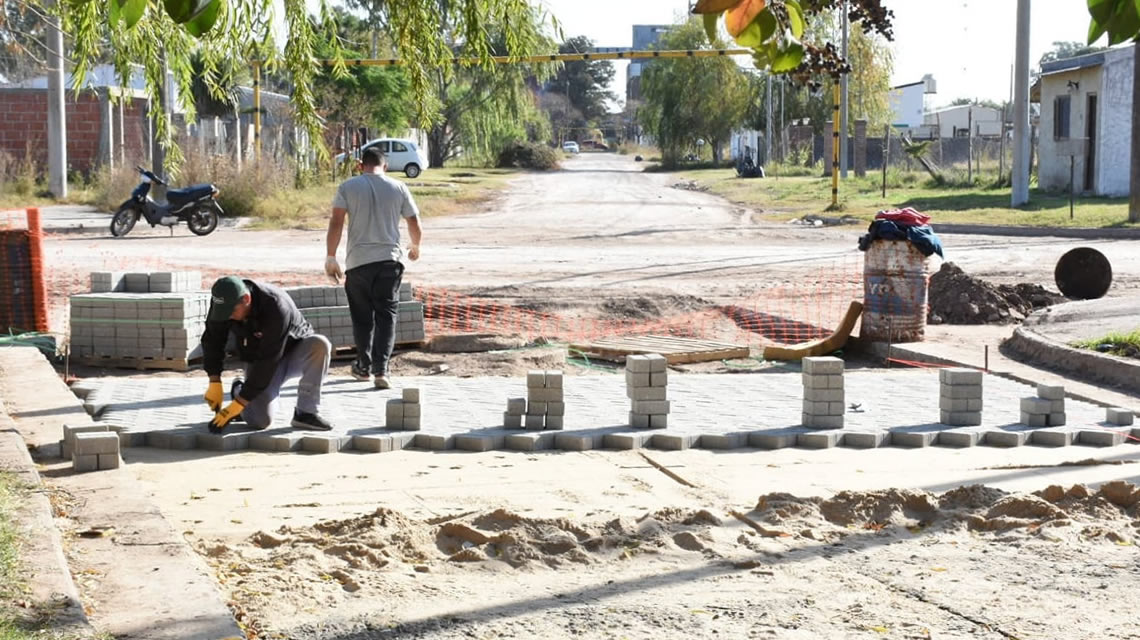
(374, 205)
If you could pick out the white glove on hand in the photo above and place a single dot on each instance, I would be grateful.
(414, 252)
(332, 269)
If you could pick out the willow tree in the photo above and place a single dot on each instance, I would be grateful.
(230, 34)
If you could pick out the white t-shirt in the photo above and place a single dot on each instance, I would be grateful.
(375, 204)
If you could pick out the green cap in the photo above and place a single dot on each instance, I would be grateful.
(226, 294)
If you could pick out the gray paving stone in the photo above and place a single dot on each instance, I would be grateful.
(864, 439)
(818, 439)
(1119, 416)
(724, 441)
(372, 442)
(824, 365)
(579, 440)
(131, 439)
(325, 443)
(512, 421)
(85, 463)
(659, 421)
(402, 440)
(555, 422)
(627, 441)
(1036, 406)
(108, 461)
(912, 439)
(1056, 420)
(434, 441)
(673, 441)
(178, 439)
(1100, 437)
(774, 438)
(534, 441)
(276, 441)
(1005, 437)
(960, 376)
(1052, 437)
(480, 442)
(223, 441)
(958, 438)
(957, 392)
(961, 418)
(1051, 392)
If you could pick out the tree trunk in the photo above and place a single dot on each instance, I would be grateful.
(716, 153)
(439, 148)
(1134, 206)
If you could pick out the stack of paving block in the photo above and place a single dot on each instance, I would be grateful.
(404, 413)
(823, 393)
(152, 282)
(545, 402)
(91, 447)
(1119, 416)
(647, 386)
(326, 308)
(138, 326)
(1046, 409)
(960, 397)
(513, 416)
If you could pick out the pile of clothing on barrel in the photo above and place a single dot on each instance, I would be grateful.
(903, 224)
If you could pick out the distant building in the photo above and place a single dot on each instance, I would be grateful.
(958, 121)
(1086, 115)
(645, 36)
(908, 102)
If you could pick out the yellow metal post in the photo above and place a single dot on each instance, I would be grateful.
(835, 151)
(257, 111)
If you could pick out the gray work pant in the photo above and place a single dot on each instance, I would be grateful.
(309, 360)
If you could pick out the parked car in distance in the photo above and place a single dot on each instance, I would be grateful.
(403, 155)
(570, 146)
(593, 144)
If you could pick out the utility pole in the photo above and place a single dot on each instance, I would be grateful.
(1134, 206)
(57, 116)
(844, 90)
(768, 120)
(1021, 141)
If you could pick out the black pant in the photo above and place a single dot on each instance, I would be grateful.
(374, 303)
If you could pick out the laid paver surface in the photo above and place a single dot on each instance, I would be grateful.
(721, 411)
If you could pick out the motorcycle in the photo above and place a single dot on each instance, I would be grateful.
(197, 206)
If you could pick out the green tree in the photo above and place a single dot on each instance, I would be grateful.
(584, 82)
(1062, 50)
(687, 99)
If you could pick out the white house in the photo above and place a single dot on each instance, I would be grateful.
(908, 102)
(958, 121)
(1086, 116)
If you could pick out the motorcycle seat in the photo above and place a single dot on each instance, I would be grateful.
(189, 194)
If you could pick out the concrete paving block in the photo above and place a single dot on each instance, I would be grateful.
(372, 443)
(959, 405)
(1100, 437)
(818, 439)
(394, 414)
(402, 440)
(638, 420)
(536, 379)
(961, 418)
(959, 392)
(1034, 419)
(108, 461)
(412, 423)
(1052, 437)
(86, 463)
(773, 439)
(578, 441)
(650, 407)
(647, 393)
(863, 439)
(536, 408)
(95, 443)
(825, 365)
(824, 395)
(1056, 420)
(1135, 436)
(659, 421)
(1036, 406)
(131, 439)
(637, 380)
(1119, 416)
(411, 396)
(1051, 391)
(822, 381)
(223, 441)
(958, 438)
(531, 441)
(913, 439)
(287, 441)
(411, 411)
(960, 376)
(555, 422)
(70, 431)
(434, 442)
(816, 408)
(512, 421)
(626, 441)
(480, 442)
(659, 379)
(822, 421)
(547, 395)
(325, 444)
(534, 422)
(516, 406)
(557, 409)
(1004, 438)
(553, 379)
(1057, 406)
(637, 364)
(674, 441)
(723, 441)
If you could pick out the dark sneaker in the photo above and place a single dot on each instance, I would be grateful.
(360, 373)
(310, 421)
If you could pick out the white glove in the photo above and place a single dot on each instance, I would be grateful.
(414, 252)
(333, 270)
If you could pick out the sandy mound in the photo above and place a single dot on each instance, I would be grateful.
(957, 298)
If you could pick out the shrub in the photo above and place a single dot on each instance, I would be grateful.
(528, 155)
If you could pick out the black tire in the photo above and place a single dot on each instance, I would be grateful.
(123, 221)
(412, 170)
(203, 221)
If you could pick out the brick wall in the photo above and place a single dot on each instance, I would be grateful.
(23, 127)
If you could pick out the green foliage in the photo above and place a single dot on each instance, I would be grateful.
(528, 155)
(687, 99)
(584, 82)
(1120, 19)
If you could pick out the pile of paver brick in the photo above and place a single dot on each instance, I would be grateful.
(404, 413)
(647, 386)
(823, 406)
(543, 408)
(139, 316)
(960, 397)
(1119, 416)
(1046, 409)
(326, 308)
(90, 447)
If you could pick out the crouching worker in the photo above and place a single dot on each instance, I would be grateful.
(275, 342)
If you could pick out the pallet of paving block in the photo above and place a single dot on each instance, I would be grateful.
(141, 364)
(675, 350)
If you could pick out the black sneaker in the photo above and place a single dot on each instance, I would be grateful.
(235, 390)
(310, 421)
(360, 373)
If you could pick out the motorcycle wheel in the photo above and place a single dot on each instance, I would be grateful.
(203, 221)
(123, 221)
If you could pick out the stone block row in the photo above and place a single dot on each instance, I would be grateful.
(960, 397)
(824, 403)
(404, 413)
(1046, 409)
(647, 387)
(326, 308)
(151, 282)
(90, 447)
(543, 408)
(137, 325)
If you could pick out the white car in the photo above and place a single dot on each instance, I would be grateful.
(403, 155)
(570, 146)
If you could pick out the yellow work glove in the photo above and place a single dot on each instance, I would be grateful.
(224, 416)
(215, 395)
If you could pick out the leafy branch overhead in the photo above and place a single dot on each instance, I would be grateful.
(774, 31)
(1120, 19)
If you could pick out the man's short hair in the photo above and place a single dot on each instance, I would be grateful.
(373, 157)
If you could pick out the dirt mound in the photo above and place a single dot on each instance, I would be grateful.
(650, 308)
(957, 298)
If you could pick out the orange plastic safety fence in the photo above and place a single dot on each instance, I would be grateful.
(23, 287)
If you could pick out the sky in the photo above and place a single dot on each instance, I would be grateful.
(968, 45)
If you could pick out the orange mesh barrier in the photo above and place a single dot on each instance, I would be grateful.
(23, 288)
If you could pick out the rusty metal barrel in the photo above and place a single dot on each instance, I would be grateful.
(895, 283)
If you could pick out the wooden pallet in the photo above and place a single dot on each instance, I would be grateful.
(141, 364)
(675, 350)
(349, 353)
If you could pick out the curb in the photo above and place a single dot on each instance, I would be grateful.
(1082, 233)
(43, 561)
(1089, 365)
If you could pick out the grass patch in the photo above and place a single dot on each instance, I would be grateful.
(11, 583)
(1118, 344)
(438, 192)
(782, 198)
